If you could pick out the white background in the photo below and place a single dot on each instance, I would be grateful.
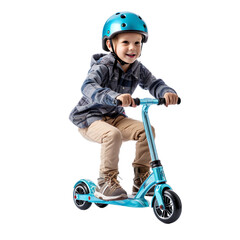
(45, 51)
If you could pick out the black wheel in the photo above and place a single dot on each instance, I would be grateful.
(173, 207)
(101, 205)
(81, 188)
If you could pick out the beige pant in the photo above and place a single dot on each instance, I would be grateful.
(110, 132)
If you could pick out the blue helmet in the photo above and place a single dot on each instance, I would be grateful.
(123, 22)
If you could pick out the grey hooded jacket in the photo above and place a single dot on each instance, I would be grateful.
(105, 81)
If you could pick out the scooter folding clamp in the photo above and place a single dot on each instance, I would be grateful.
(156, 163)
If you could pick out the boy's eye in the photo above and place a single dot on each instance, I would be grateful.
(127, 42)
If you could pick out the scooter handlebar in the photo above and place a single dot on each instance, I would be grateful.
(137, 101)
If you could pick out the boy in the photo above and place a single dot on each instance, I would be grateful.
(113, 77)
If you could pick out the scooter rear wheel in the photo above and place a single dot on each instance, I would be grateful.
(81, 188)
(173, 207)
(101, 205)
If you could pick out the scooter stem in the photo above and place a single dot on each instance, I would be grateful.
(149, 133)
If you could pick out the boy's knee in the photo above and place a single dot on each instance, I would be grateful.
(114, 135)
(142, 134)
(153, 132)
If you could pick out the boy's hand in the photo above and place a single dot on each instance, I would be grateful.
(126, 100)
(171, 98)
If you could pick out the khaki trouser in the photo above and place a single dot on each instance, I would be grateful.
(110, 132)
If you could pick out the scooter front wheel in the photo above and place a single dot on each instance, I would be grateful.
(173, 207)
(81, 188)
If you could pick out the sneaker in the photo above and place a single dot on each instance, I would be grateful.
(141, 174)
(109, 188)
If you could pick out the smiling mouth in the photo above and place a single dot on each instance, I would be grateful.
(131, 55)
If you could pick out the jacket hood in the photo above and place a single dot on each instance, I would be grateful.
(101, 57)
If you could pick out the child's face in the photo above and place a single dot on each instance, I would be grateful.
(127, 46)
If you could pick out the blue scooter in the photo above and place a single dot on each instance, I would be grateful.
(166, 204)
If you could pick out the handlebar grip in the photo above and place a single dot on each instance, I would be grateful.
(136, 100)
(163, 101)
(119, 102)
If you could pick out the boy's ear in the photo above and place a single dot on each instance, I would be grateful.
(109, 45)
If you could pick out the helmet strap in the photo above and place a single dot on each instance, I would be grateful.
(115, 55)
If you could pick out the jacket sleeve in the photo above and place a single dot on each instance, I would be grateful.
(93, 87)
(156, 87)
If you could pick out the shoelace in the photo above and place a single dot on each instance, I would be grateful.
(144, 177)
(112, 179)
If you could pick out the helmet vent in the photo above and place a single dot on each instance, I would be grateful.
(140, 17)
(123, 16)
(124, 25)
(118, 13)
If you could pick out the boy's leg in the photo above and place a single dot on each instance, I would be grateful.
(110, 139)
(134, 130)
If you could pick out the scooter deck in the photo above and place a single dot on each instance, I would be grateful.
(129, 202)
